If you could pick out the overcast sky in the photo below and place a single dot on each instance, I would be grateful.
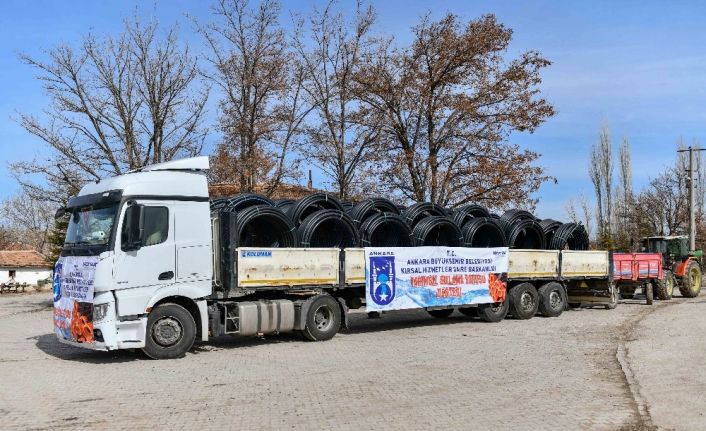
(640, 66)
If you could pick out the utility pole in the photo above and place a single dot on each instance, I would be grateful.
(692, 196)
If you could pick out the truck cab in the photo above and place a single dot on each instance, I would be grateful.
(146, 238)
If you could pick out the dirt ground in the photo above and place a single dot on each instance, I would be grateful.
(635, 367)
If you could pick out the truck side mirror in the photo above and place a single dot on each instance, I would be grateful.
(135, 227)
(61, 212)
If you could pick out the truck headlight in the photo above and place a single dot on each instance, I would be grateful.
(100, 311)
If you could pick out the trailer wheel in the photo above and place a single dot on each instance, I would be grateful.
(469, 311)
(322, 319)
(627, 292)
(493, 313)
(552, 299)
(442, 313)
(690, 285)
(524, 301)
(664, 288)
(613, 299)
(170, 333)
(649, 293)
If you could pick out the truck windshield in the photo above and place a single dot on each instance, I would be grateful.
(91, 225)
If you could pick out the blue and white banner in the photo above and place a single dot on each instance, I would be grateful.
(73, 297)
(417, 277)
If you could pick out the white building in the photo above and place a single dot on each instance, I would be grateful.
(24, 266)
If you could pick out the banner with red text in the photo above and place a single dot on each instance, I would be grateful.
(73, 297)
(418, 277)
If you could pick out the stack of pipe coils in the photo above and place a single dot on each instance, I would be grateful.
(321, 220)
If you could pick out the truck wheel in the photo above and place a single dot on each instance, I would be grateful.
(469, 311)
(524, 301)
(171, 332)
(690, 285)
(441, 314)
(493, 313)
(649, 293)
(552, 299)
(664, 288)
(323, 319)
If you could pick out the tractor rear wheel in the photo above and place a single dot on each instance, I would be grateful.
(690, 285)
(665, 287)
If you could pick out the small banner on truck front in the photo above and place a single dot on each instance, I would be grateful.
(399, 278)
(73, 298)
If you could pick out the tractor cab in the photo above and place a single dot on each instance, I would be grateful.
(672, 248)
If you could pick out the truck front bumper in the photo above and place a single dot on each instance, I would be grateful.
(113, 334)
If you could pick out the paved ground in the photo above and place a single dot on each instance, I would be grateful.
(588, 369)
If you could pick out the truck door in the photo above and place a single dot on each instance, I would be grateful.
(153, 264)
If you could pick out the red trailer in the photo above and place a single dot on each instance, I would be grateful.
(632, 271)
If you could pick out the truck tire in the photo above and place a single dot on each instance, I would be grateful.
(469, 311)
(493, 313)
(649, 293)
(690, 285)
(524, 301)
(441, 313)
(170, 333)
(664, 288)
(323, 319)
(552, 299)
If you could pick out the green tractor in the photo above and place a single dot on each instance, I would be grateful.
(683, 265)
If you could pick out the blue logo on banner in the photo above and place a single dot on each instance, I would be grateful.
(382, 279)
(57, 281)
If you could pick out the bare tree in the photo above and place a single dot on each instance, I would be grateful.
(339, 137)
(263, 106)
(117, 104)
(624, 227)
(28, 220)
(663, 206)
(596, 176)
(580, 212)
(448, 103)
(601, 174)
(586, 212)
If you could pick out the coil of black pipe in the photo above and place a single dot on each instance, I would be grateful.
(264, 226)
(217, 204)
(328, 228)
(308, 205)
(549, 226)
(246, 200)
(483, 232)
(421, 210)
(284, 204)
(347, 205)
(525, 233)
(571, 236)
(512, 216)
(437, 230)
(385, 230)
(369, 207)
(463, 215)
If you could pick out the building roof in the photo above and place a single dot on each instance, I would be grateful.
(22, 259)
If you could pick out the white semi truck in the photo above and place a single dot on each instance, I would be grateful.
(146, 265)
